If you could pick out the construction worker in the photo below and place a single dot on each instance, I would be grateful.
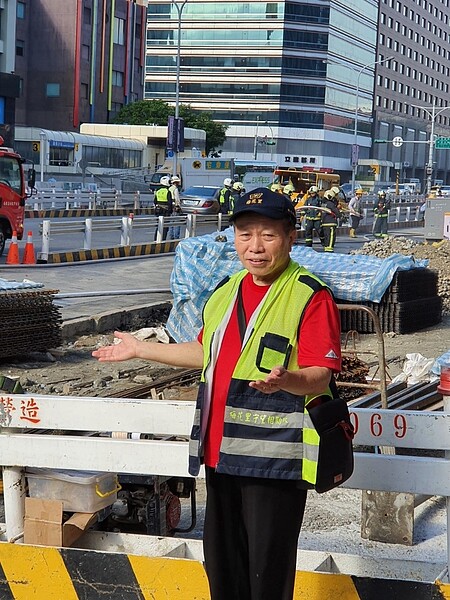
(163, 203)
(276, 187)
(313, 216)
(225, 196)
(289, 191)
(341, 203)
(354, 207)
(236, 192)
(175, 230)
(381, 213)
(330, 217)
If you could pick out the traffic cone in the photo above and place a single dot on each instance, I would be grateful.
(29, 257)
(13, 252)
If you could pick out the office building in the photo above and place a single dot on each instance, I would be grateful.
(288, 72)
(417, 34)
(9, 81)
(78, 61)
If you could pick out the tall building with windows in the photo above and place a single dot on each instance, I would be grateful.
(412, 93)
(9, 82)
(292, 72)
(78, 61)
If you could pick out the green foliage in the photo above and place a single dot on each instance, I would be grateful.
(156, 112)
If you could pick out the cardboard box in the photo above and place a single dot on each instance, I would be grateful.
(44, 525)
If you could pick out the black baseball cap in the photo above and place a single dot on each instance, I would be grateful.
(267, 203)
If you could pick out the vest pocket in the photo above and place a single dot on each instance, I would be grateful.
(273, 350)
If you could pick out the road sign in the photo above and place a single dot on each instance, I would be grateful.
(442, 142)
(397, 141)
(355, 155)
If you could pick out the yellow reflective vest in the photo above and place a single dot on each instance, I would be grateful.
(265, 435)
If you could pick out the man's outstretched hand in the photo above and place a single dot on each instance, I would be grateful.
(124, 350)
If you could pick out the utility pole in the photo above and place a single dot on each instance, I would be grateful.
(255, 144)
(433, 114)
(179, 7)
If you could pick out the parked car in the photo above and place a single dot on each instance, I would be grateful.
(347, 189)
(404, 190)
(200, 199)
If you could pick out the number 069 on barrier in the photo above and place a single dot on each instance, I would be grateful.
(404, 428)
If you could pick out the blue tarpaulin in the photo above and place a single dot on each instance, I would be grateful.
(202, 262)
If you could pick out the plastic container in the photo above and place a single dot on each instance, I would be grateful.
(444, 381)
(80, 491)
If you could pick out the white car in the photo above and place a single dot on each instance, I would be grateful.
(403, 190)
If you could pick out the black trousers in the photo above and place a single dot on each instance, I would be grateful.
(312, 225)
(250, 536)
(329, 237)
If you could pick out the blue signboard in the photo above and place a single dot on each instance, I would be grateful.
(60, 144)
(2, 110)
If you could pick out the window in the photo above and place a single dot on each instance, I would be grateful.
(117, 78)
(119, 31)
(86, 15)
(20, 47)
(52, 90)
(85, 52)
(20, 11)
(84, 91)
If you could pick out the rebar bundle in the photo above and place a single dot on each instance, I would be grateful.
(29, 322)
(410, 303)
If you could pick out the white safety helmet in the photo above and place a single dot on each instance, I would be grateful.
(175, 179)
(227, 182)
(237, 185)
(335, 189)
(313, 189)
(329, 194)
(288, 189)
(164, 181)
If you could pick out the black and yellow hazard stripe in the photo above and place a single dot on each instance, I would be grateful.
(60, 213)
(42, 573)
(114, 252)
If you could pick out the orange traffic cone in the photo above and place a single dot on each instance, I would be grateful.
(13, 252)
(29, 257)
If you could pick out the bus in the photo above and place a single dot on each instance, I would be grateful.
(303, 178)
(254, 173)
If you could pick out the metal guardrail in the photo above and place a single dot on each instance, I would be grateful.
(103, 198)
(125, 225)
(188, 224)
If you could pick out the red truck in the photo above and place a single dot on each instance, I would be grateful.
(14, 189)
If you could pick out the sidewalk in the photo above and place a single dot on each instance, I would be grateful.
(86, 314)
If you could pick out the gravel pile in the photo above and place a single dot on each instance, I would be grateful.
(437, 253)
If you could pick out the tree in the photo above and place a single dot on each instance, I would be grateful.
(157, 112)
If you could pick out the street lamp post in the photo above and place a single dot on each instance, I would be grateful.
(255, 143)
(272, 143)
(433, 114)
(179, 7)
(355, 147)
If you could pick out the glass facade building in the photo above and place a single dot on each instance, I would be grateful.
(293, 71)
